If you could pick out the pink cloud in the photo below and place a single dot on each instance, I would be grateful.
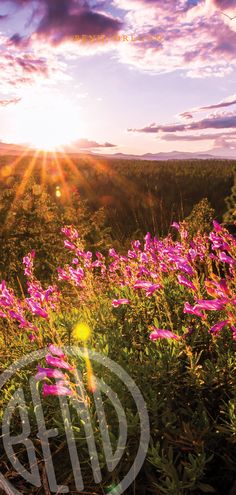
(197, 38)
(87, 144)
(60, 20)
(222, 104)
(203, 45)
(23, 68)
(9, 101)
(198, 137)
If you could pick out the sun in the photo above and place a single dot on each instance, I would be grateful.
(51, 124)
(48, 140)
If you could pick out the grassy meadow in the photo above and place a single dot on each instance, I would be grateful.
(134, 260)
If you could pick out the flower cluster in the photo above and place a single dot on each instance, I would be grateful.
(204, 266)
(56, 359)
(200, 270)
(12, 309)
(39, 302)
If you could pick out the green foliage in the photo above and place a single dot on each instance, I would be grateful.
(137, 195)
(200, 218)
(188, 385)
(230, 215)
(33, 218)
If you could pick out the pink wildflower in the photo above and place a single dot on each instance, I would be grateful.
(57, 362)
(218, 326)
(159, 333)
(56, 350)
(184, 281)
(48, 373)
(58, 389)
(118, 302)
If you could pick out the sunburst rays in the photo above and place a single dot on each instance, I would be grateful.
(69, 175)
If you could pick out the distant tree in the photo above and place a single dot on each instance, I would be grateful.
(200, 218)
(230, 215)
(33, 220)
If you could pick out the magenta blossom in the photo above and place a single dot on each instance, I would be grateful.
(142, 284)
(149, 287)
(69, 245)
(62, 274)
(48, 373)
(226, 259)
(152, 289)
(217, 226)
(56, 350)
(28, 262)
(118, 302)
(57, 362)
(70, 232)
(192, 310)
(58, 389)
(218, 326)
(175, 225)
(36, 309)
(113, 253)
(184, 267)
(160, 333)
(212, 304)
(184, 281)
(234, 332)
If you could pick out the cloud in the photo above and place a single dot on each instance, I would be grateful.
(197, 137)
(196, 38)
(203, 45)
(225, 103)
(23, 68)
(219, 121)
(60, 20)
(9, 101)
(224, 4)
(187, 115)
(30, 65)
(87, 144)
(224, 142)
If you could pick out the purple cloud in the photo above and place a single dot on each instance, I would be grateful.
(221, 121)
(24, 68)
(87, 144)
(60, 20)
(30, 64)
(198, 137)
(225, 103)
(220, 105)
(224, 4)
(196, 37)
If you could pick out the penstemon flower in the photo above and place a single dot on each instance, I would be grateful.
(160, 333)
(119, 302)
(59, 388)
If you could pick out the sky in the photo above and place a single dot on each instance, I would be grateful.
(119, 76)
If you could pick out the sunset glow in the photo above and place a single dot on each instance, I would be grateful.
(167, 85)
(51, 125)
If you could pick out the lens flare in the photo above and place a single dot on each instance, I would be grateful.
(82, 332)
(90, 376)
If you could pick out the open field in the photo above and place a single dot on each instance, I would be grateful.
(159, 304)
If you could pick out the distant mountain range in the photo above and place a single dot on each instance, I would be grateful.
(15, 149)
(172, 155)
(11, 149)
